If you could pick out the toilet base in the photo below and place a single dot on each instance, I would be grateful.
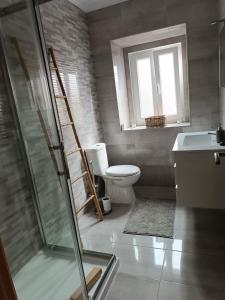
(118, 194)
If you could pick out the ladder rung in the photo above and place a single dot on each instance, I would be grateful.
(66, 124)
(79, 177)
(85, 204)
(73, 151)
(60, 97)
(53, 68)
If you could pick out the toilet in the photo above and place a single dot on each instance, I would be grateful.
(119, 179)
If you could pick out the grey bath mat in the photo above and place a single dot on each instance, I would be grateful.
(152, 217)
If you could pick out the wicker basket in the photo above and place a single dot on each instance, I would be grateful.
(157, 121)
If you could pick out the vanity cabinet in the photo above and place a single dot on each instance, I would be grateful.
(199, 181)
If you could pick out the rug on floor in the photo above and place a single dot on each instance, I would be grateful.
(152, 217)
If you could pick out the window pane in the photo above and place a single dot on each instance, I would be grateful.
(145, 87)
(168, 84)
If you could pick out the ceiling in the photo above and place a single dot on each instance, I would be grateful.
(90, 5)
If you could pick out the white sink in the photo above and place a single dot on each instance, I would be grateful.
(204, 140)
(199, 140)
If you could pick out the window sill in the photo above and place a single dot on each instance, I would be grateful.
(174, 125)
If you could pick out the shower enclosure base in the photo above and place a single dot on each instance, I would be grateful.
(43, 277)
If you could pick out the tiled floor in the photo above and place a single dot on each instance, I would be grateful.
(189, 267)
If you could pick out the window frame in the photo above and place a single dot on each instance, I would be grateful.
(174, 49)
(132, 83)
(133, 57)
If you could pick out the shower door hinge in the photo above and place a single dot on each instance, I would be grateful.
(57, 147)
(61, 173)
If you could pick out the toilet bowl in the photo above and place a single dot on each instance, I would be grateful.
(119, 183)
(118, 179)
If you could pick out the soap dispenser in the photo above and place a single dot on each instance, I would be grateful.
(220, 134)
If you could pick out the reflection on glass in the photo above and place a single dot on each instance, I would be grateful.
(31, 94)
(177, 245)
(168, 84)
(176, 260)
(134, 241)
(158, 257)
(145, 87)
(114, 237)
(136, 253)
(157, 244)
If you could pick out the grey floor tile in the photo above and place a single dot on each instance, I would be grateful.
(198, 231)
(155, 192)
(205, 271)
(111, 230)
(175, 291)
(143, 262)
(197, 219)
(99, 246)
(141, 240)
(194, 269)
(202, 241)
(107, 230)
(130, 287)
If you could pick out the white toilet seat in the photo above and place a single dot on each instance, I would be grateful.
(122, 171)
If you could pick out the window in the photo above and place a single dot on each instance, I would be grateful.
(156, 78)
(151, 76)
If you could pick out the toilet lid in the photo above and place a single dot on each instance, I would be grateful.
(122, 170)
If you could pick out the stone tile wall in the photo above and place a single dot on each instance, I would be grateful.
(18, 224)
(66, 30)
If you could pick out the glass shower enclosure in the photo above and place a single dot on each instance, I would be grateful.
(49, 274)
(59, 266)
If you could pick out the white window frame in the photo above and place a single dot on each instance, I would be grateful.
(153, 54)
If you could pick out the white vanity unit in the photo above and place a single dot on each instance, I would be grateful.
(199, 181)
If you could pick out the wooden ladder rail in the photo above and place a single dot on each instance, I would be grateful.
(86, 174)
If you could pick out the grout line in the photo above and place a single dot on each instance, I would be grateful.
(193, 285)
(165, 248)
(214, 254)
(118, 243)
(160, 279)
(157, 294)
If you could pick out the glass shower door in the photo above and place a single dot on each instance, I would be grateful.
(37, 123)
(28, 82)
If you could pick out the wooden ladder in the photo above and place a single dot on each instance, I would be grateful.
(77, 149)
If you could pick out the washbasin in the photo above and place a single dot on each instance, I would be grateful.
(199, 140)
(195, 141)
